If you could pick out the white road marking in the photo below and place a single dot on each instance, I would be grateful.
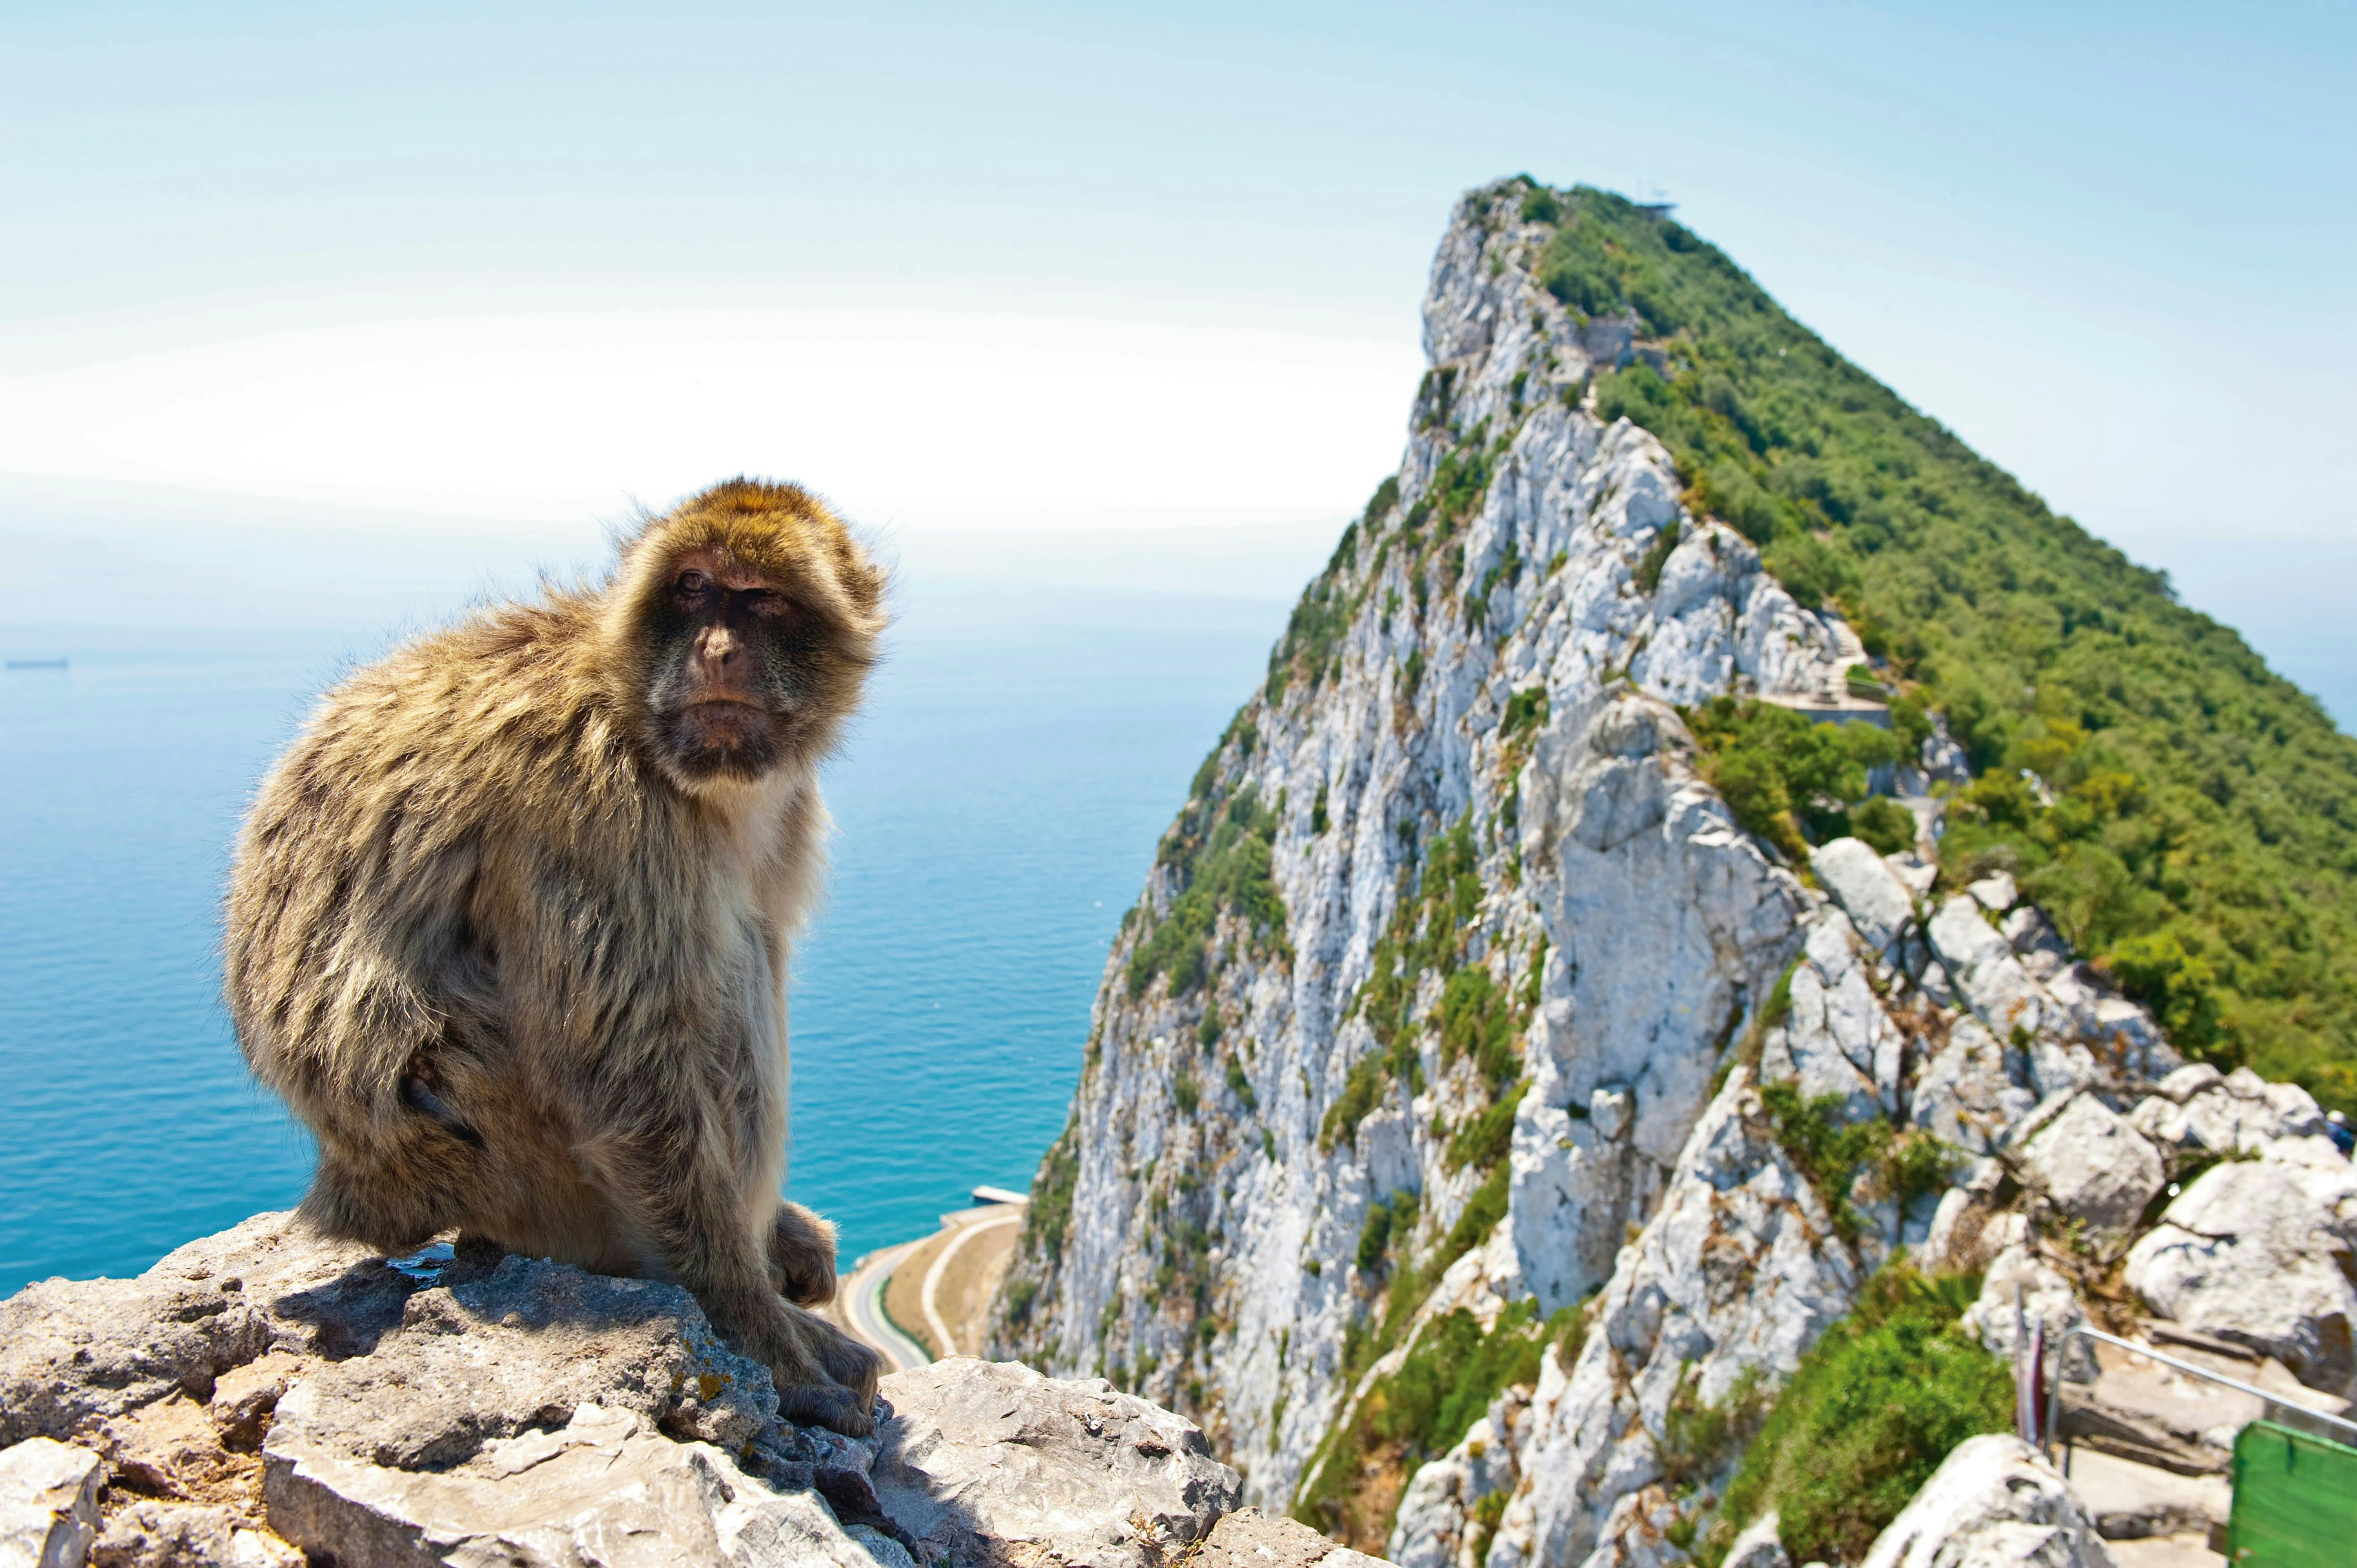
(942, 1335)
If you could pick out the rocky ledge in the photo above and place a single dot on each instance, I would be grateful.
(264, 1398)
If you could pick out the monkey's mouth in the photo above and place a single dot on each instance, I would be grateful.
(722, 735)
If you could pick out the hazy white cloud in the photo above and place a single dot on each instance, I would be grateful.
(908, 419)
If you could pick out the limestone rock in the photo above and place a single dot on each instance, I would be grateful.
(1986, 969)
(1974, 1089)
(1995, 892)
(471, 1408)
(2262, 1252)
(2045, 1299)
(71, 1351)
(1433, 1527)
(524, 1347)
(1758, 1546)
(152, 1534)
(1635, 1534)
(990, 1462)
(1740, 1271)
(2090, 1164)
(1993, 1503)
(602, 1487)
(1249, 1539)
(1838, 1040)
(1877, 902)
(49, 1503)
(2196, 1109)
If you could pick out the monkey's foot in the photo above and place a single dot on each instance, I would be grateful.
(801, 1256)
(824, 1376)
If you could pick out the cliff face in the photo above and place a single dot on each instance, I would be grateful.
(1462, 792)
(1465, 1047)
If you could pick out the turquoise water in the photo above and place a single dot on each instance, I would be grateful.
(997, 810)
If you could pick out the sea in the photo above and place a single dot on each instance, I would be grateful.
(997, 809)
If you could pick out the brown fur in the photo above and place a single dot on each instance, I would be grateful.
(521, 969)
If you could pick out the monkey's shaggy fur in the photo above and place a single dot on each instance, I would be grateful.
(525, 978)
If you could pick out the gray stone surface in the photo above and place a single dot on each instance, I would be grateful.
(521, 1349)
(152, 1534)
(2093, 1166)
(2258, 1251)
(1993, 1503)
(1249, 1539)
(603, 1488)
(2135, 1502)
(49, 1503)
(1869, 892)
(990, 1462)
(1758, 1546)
(261, 1396)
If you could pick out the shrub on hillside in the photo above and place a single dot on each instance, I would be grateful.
(1872, 1410)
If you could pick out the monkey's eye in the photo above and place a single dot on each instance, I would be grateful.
(771, 605)
(692, 583)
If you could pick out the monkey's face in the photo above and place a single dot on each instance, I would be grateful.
(743, 670)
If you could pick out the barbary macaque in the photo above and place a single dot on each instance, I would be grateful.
(509, 919)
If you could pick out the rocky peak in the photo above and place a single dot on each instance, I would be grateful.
(1475, 1108)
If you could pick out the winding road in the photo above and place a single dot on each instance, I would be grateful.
(862, 1297)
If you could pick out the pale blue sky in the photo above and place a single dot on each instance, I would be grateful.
(2110, 244)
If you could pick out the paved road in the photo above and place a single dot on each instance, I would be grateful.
(967, 1229)
(862, 1298)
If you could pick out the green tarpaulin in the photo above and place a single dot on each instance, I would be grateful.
(2294, 1501)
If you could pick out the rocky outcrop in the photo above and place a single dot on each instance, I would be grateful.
(264, 1398)
(2263, 1252)
(49, 1503)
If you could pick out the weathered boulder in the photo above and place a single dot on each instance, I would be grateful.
(1993, 1503)
(1973, 1090)
(1760, 1545)
(2263, 1252)
(2196, 1109)
(49, 1503)
(1983, 966)
(149, 1534)
(1838, 1040)
(602, 1487)
(1869, 891)
(1249, 1539)
(2089, 1163)
(2020, 1284)
(990, 1462)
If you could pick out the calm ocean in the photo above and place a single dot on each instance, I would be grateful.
(996, 810)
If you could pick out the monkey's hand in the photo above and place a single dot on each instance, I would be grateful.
(801, 1256)
(824, 1376)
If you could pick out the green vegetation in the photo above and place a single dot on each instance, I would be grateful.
(1048, 1215)
(1225, 853)
(2204, 834)
(1386, 1218)
(1901, 1165)
(1657, 555)
(1241, 1087)
(1872, 1410)
(1443, 1385)
(1787, 779)
(1312, 637)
